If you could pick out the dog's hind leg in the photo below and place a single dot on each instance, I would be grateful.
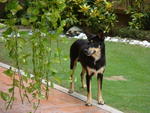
(99, 80)
(72, 67)
(83, 77)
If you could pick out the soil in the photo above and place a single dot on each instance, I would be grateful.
(116, 78)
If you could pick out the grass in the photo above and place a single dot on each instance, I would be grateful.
(130, 61)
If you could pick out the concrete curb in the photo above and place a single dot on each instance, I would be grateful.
(65, 90)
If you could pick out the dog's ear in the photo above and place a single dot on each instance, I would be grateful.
(101, 35)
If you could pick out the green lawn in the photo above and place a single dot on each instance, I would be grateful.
(130, 61)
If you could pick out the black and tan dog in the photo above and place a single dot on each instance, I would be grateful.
(91, 54)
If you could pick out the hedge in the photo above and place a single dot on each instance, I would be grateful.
(126, 32)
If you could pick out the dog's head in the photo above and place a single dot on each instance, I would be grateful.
(95, 45)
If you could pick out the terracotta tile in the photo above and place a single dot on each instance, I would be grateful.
(58, 102)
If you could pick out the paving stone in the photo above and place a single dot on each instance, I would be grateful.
(58, 102)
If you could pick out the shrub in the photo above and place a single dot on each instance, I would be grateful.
(136, 22)
(140, 15)
(42, 16)
(146, 21)
(95, 14)
(126, 32)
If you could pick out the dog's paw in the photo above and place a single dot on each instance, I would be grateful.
(88, 104)
(84, 86)
(70, 91)
(101, 102)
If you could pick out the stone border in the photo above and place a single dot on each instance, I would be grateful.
(65, 90)
(130, 41)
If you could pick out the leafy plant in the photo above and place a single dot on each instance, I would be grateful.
(136, 9)
(136, 22)
(46, 25)
(2, 26)
(94, 14)
(126, 32)
(146, 21)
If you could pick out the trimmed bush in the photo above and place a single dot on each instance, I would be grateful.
(126, 32)
(94, 14)
(146, 21)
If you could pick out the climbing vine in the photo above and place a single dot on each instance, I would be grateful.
(46, 25)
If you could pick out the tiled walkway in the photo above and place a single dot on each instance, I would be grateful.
(58, 102)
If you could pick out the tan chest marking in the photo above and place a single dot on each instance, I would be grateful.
(100, 71)
(97, 53)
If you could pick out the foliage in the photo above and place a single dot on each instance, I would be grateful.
(2, 26)
(136, 22)
(94, 14)
(146, 21)
(3, 1)
(46, 25)
(126, 32)
(138, 14)
(140, 20)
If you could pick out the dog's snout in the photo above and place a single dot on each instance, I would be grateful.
(89, 52)
(86, 52)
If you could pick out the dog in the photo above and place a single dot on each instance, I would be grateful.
(91, 55)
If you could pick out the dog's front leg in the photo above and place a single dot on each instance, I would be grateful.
(82, 77)
(99, 80)
(89, 92)
(71, 89)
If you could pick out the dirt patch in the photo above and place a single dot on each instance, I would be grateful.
(116, 78)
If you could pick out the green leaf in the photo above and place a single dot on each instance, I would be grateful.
(4, 96)
(57, 79)
(9, 72)
(53, 71)
(2, 25)
(12, 53)
(10, 90)
(3, 1)
(8, 31)
(29, 89)
(36, 86)
(33, 19)
(21, 42)
(52, 84)
(24, 21)
(29, 10)
(42, 3)
(35, 11)
(41, 96)
(16, 82)
(13, 6)
(25, 78)
(59, 50)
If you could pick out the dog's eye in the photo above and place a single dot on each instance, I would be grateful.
(91, 41)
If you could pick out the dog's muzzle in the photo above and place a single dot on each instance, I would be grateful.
(88, 53)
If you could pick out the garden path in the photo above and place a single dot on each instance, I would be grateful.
(58, 102)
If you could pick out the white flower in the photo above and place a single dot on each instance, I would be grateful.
(30, 33)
